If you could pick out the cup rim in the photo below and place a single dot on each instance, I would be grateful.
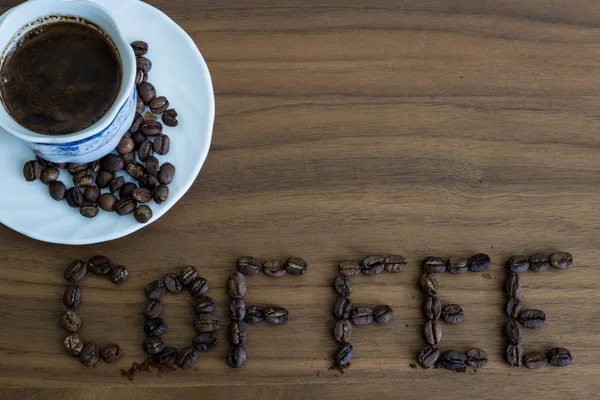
(127, 74)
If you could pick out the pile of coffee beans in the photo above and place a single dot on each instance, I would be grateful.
(135, 155)
(348, 314)
(434, 310)
(205, 321)
(240, 314)
(88, 352)
(530, 318)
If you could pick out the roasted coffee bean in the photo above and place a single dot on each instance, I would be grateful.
(206, 323)
(99, 265)
(32, 170)
(343, 354)
(349, 268)
(151, 128)
(76, 167)
(518, 264)
(173, 283)
(153, 308)
(535, 360)
(514, 307)
(49, 175)
(342, 331)
(147, 92)
(432, 332)
(559, 357)
(112, 163)
(166, 173)
(83, 179)
(139, 105)
(138, 138)
(125, 146)
(167, 356)
(457, 265)
(342, 285)
(146, 150)
(513, 285)
(169, 118)
(246, 265)
(433, 308)
(237, 310)
(186, 358)
(274, 268)
(276, 315)
(72, 296)
(89, 210)
(91, 194)
(143, 63)
(125, 206)
(129, 158)
(199, 287)
(538, 262)
(162, 144)
(153, 345)
(254, 315)
(116, 184)
(155, 327)
(140, 76)
(111, 353)
(296, 266)
(429, 284)
(141, 195)
(73, 344)
(342, 308)
(433, 265)
(236, 332)
(140, 48)
(70, 321)
(428, 356)
(57, 190)
(90, 354)
(104, 178)
(152, 166)
(74, 197)
(514, 355)
(155, 289)
(561, 260)
(127, 189)
(479, 262)
(204, 304)
(148, 182)
(383, 314)
(236, 356)
(94, 167)
(107, 202)
(205, 341)
(159, 105)
(451, 359)
(477, 358)
(361, 315)
(75, 271)
(43, 162)
(188, 275)
(118, 274)
(514, 332)
(394, 263)
(453, 314)
(532, 319)
(136, 171)
(372, 265)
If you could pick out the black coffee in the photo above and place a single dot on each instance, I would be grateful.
(60, 78)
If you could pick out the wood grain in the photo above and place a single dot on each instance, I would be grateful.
(345, 128)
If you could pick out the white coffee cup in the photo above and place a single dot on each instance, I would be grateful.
(101, 138)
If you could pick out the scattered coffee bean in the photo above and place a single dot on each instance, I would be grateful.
(107, 202)
(514, 355)
(75, 271)
(118, 274)
(136, 171)
(94, 167)
(76, 167)
(112, 163)
(167, 356)
(188, 275)
(274, 268)
(152, 166)
(153, 308)
(90, 354)
(236, 332)
(532, 319)
(204, 304)
(162, 144)
(276, 315)
(479, 262)
(514, 332)
(342, 285)
(372, 265)
(99, 265)
(148, 182)
(383, 314)
(535, 360)
(140, 48)
(159, 105)
(155, 327)
(116, 184)
(205, 341)
(432, 332)
(246, 265)
(342, 308)
(141, 195)
(125, 206)
(127, 146)
(104, 178)
(296, 266)
(428, 356)
(206, 323)
(394, 263)
(74, 197)
(155, 289)
(343, 354)
(453, 314)
(146, 150)
(111, 353)
(153, 345)
(83, 179)
(127, 189)
(349, 268)
(237, 310)
(147, 92)
(236, 356)
(457, 265)
(514, 307)
(559, 357)
(129, 158)
(49, 175)
(138, 138)
(518, 264)
(139, 105)
(429, 284)
(166, 173)
(169, 118)
(89, 210)
(32, 170)
(173, 283)
(561, 260)
(72, 296)
(44, 163)
(151, 128)
(91, 194)
(254, 315)
(73, 344)
(451, 359)
(342, 331)
(57, 190)
(140, 77)
(144, 64)
(70, 321)
(186, 358)
(477, 358)
(199, 287)
(513, 285)
(433, 265)
(538, 262)
(361, 315)
(433, 308)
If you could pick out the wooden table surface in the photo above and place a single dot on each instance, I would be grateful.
(346, 128)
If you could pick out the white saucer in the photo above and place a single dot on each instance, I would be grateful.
(180, 73)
